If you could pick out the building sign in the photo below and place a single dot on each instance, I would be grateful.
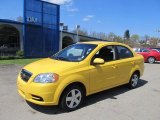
(32, 19)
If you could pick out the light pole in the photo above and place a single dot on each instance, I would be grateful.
(112, 38)
(77, 28)
(61, 35)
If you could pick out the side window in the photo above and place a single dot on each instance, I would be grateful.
(145, 50)
(106, 53)
(124, 52)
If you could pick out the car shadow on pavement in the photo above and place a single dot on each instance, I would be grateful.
(111, 93)
(157, 62)
(46, 109)
(92, 99)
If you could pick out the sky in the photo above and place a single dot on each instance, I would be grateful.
(139, 16)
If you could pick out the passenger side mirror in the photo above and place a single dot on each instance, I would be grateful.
(98, 61)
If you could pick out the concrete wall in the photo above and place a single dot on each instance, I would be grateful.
(81, 38)
(74, 39)
(73, 36)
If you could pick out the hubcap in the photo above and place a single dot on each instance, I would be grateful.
(73, 98)
(135, 79)
(151, 60)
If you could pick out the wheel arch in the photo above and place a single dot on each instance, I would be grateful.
(138, 72)
(80, 84)
(62, 87)
(135, 71)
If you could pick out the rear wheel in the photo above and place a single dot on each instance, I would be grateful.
(151, 60)
(72, 98)
(134, 80)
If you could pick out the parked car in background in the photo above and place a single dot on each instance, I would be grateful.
(77, 71)
(157, 49)
(151, 55)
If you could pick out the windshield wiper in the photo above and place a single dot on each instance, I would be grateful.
(61, 58)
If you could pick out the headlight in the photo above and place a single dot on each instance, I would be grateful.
(46, 78)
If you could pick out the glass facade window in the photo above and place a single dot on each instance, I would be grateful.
(49, 19)
(50, 8)
(41, 28)
(54, 27)
(34, 5)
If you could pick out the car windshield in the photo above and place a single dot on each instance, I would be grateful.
(74, 53)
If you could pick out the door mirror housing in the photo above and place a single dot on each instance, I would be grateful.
(98, 61)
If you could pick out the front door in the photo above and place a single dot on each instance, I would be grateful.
(103, 76)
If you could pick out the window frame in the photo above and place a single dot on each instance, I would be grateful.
(114, 55)
(118, 55)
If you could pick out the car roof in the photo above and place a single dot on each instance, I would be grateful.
(100, 43)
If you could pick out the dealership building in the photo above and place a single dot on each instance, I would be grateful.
(37, 35)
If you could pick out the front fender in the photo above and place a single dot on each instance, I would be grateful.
(67, 81)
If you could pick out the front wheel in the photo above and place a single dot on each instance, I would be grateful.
(72, 98)
(134, 81)
(151, 60)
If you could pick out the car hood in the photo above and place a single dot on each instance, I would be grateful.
(49, 66)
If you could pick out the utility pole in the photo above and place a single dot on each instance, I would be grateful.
(61, 35)
(158, 31)
(77, 28)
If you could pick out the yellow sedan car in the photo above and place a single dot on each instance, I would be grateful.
(79, 70)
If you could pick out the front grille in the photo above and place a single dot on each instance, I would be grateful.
(25, 75)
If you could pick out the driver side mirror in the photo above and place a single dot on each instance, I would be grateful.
(98, 61)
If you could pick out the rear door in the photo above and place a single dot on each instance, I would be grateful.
(125, 63)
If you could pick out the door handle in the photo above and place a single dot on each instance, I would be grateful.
(133, 62)
(114, 66)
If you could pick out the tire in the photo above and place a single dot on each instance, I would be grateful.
(151, 60)
(72, 98)
(134, 80)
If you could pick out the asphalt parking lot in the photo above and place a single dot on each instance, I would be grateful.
(142, 103)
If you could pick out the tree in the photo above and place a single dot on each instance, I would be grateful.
(93, 34)
(146, 37)
(100, 35)
(111, 36)
(127, 35)
(118, 39)
(135, 37)
(153, 42)
(80, 32)
(135, 40)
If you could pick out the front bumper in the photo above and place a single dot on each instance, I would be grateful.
(37, 93)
